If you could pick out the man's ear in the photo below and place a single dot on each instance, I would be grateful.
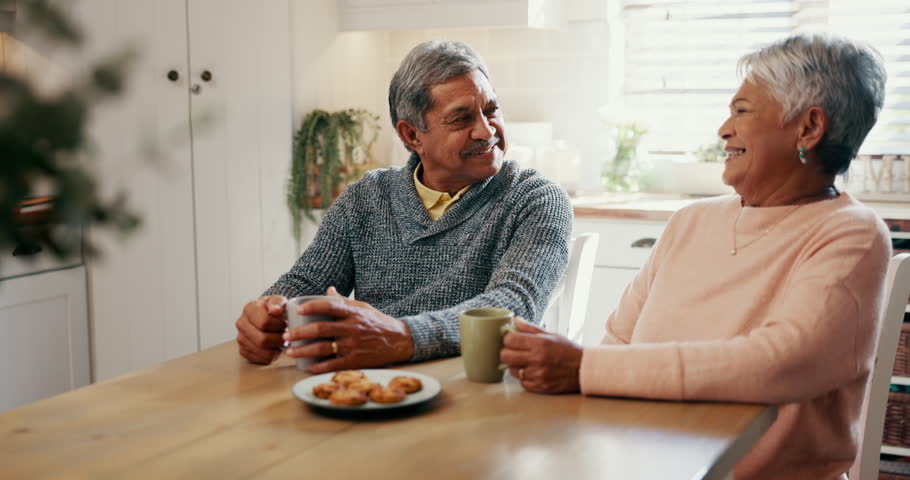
(408, 134)
(812, 127)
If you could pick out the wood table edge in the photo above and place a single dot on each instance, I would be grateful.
(722, 467)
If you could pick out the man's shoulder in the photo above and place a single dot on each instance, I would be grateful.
(376, 181)
(381, 176)
(528, 181)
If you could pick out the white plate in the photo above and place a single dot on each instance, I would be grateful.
(431, 388)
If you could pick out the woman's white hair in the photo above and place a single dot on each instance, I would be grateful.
(844, 77)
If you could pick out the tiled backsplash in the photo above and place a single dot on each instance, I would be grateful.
(552, 76)
(560, 77)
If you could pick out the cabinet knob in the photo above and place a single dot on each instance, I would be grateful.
(196, 89)
(26, 249)
(646, 242)
(173, 75)
(206, 76)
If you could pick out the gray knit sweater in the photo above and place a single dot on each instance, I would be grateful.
(504, 244)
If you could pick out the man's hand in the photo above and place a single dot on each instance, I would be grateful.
(259, 329)
(363, 336)
(544, 362)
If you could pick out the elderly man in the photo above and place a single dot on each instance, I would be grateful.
(456, 228)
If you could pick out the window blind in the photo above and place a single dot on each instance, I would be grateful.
(680, 60)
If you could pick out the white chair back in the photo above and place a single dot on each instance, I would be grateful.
(872, 419)
(569, 303)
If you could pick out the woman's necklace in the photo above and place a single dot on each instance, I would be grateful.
(829, 191)
(734, 249)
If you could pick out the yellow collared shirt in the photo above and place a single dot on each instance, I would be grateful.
(435, 202)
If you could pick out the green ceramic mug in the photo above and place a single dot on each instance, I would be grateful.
(481, 331)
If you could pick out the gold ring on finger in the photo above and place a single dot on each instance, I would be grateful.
(334, 347)
(521, 374)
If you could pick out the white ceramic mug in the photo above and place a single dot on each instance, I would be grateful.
(296, 320)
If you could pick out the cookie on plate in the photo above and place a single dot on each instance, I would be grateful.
(387, 395)
(325, 390)
(363, 385)
(347, 377)
(348, 398)
(408, 384)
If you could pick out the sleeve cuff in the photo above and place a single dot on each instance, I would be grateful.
(282, 289)
(645, 370)
(426, 343)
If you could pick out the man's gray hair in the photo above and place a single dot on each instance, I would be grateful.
(428, 64)
(844, 77)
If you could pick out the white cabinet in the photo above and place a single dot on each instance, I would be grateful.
(44, 348)
(624, 248)
(358, 15)
(607, 285)
(209, 97)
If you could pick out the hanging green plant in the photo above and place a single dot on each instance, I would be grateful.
(330, 151)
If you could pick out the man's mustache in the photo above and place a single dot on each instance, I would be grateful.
(481, 146)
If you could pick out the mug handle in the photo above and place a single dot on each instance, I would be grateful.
(506, 328)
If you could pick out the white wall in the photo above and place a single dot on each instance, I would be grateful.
(334, 71)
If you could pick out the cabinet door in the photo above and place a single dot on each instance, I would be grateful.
(143, 287)
(624, 247)
(241, 154)
(44, 347)
(606, 289)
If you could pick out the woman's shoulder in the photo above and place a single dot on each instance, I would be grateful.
(712, 203)
(846, 215)
(706, 209)
(845, 210)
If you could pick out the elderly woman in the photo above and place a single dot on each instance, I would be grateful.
(771, 295)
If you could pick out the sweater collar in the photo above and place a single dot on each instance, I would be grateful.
(416, 222)
(756, 220)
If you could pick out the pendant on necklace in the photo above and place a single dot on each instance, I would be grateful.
(733, 251)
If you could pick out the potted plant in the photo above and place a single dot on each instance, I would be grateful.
(330, 151)
(712, 152)
(704, 176)
(622, 174)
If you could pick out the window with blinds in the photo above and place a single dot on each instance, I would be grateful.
(680, 60)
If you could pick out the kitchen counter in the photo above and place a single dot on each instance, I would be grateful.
(655, 207)
(658, 207)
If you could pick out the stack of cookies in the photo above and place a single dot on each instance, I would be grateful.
(352, 387)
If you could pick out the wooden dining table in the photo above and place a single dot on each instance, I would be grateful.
(212, 415)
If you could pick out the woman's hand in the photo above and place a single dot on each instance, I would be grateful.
(544, 362)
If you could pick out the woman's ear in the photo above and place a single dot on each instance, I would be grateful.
(812, 127)
(409, 135)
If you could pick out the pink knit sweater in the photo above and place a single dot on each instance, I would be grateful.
(789, 320)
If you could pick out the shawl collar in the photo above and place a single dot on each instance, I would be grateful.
(415, 222)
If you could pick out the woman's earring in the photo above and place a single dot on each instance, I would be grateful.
(802, 155)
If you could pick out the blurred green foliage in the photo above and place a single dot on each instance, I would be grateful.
(622, 175)
(43, 139)
(712, 152)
